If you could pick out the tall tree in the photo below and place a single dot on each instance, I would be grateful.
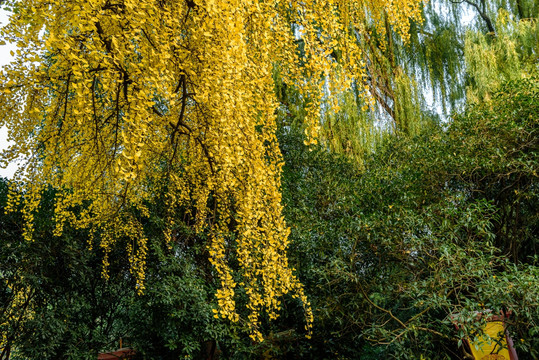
(452, 57)
(110, 101)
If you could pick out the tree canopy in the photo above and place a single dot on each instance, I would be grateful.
(208, 155)
(113, 102)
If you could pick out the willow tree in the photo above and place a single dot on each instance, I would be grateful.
(409, 80)
(511, 56)
(435, 72)
(111, 102)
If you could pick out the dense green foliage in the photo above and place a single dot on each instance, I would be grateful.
(67, 309)
(438, 224)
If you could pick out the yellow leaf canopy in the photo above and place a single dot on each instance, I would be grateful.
(111, 101)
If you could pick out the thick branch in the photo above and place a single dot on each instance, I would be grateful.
(481, 13)
(183, 82)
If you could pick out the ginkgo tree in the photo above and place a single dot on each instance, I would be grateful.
(112, 101)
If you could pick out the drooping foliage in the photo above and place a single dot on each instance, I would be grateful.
(56, 305)
(410, 83)
(110, 101)
(54, 302)
(458, 53)
(512, 56)
(155, 123)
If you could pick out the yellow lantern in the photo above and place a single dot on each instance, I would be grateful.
(494, 343)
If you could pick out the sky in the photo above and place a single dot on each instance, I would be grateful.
(5, 58)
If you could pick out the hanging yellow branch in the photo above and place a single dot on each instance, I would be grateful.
(107, 96)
